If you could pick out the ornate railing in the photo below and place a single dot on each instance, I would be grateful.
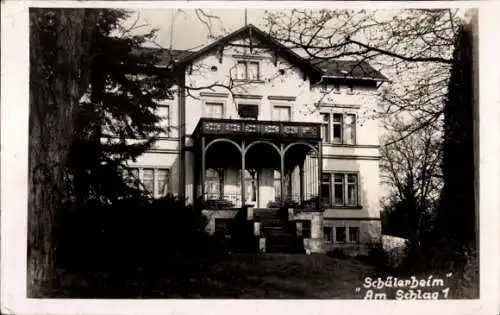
(265, 129)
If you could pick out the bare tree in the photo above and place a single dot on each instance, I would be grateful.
(413, 46)
(411, 169)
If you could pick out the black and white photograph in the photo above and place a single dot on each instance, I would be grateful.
(196, 152)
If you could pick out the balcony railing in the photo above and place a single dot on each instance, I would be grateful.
(258, 128)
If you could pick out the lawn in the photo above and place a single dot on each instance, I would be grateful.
(245, 276)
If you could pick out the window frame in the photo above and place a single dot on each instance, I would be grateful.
(140, 176)
(246, 63)
(349, 240)
(345, 191)
(166, 133)
(342, 126)
(239, 103)
(328, 124)
(328, 240)
(210, 101)
(288, 106)
(335, 239)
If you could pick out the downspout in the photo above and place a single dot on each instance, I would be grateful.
(181, 74)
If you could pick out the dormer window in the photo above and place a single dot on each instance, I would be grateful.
(247, 70)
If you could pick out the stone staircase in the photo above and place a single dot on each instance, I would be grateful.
(280, 234)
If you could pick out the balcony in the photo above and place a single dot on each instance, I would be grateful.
(258, 129)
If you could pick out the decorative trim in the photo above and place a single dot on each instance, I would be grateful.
(356, 146)
(213, 94)
(351, 157)
(351, 219)
(248, 96)
(330, 105)
(171, 151)
(281, 98)
(250, 57)
(248, 81)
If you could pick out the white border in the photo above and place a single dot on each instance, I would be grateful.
(14, 157)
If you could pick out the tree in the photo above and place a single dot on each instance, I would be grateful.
(86, 84)
(60, 59)
(79, 88)
(413, 46)
(411, 169)
(457, 221)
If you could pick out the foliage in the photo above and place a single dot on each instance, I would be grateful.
(456, 224)
(161, 236)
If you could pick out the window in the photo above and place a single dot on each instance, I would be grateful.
(352, 194)
(344, 128)
(340, 235)
(248, 111)
(281, 113)
(326, 188)
(214, 183)
(349, 129)
(325, 127)
(344, 189)
(327, 234)
(154, 180)
(337, 128)
(164, 113)
(338, 191)
(353, 234)
(162, 183)
(213, 110)
(247, 70)
(148, 179)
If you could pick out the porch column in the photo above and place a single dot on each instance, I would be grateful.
(320, 172)
(242, 177)
(282, 175)
(301, 183)
(202, 175)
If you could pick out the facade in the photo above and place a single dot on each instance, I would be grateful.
(276, 149)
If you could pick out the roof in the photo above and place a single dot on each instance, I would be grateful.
(349, 69)
(164, 57)
(345, 69)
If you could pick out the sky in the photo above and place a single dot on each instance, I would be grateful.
(189, 32)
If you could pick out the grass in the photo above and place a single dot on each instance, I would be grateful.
(242, 276)
(247, 276)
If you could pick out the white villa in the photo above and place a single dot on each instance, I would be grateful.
(289, 149)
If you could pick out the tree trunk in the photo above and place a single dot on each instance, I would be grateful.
(59, 66)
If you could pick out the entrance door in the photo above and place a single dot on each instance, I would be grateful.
(251, 187)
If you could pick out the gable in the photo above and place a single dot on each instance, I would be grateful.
(252, 39)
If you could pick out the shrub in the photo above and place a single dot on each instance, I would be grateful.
(134, 235)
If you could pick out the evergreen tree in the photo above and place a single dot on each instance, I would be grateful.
(456, 218)
(74, 53)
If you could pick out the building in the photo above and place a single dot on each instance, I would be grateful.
(280, 115)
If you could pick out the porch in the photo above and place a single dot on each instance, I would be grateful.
(261, 164)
